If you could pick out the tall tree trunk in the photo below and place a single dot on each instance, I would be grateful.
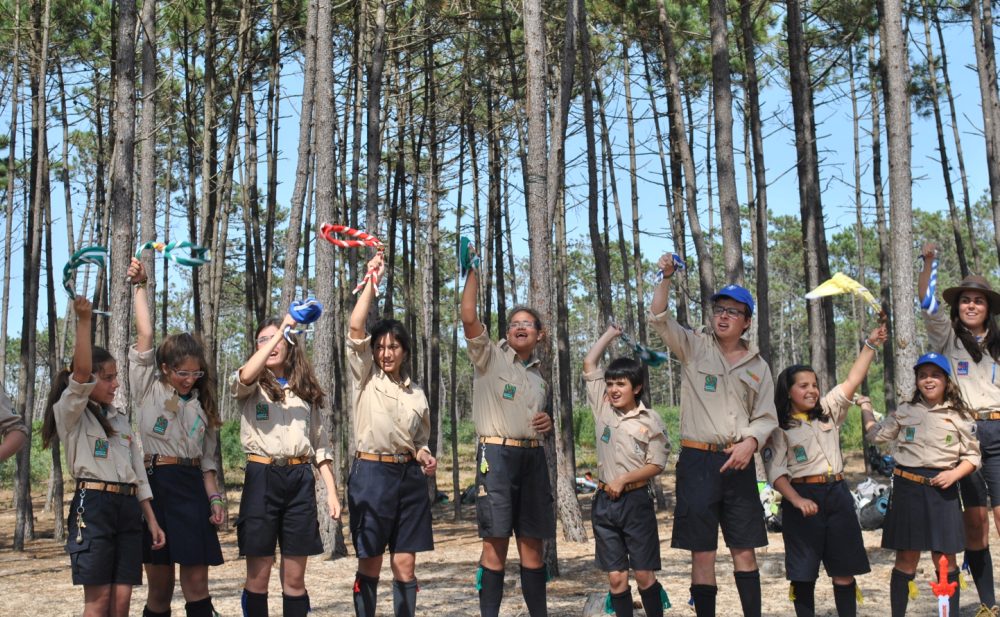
(201, 288)
(376, 62)
(55, 501)
(271, 145)
(986, 66)
(11, 175)
(147, 132)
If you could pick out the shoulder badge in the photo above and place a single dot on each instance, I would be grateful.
(767, 454)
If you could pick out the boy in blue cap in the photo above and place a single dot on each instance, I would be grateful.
(727, 414)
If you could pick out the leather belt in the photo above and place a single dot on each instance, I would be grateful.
(399, 459)
(507, 441)
(629, 487)
(705, 447)
(823, 478)
(990, 415)
(119, 488)
(155, 460)
(279, 461)
(912, 477)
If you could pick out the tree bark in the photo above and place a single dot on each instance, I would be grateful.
(147, 132)
(11, 175)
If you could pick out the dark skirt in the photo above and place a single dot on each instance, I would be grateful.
(922, 517)
(182, 510)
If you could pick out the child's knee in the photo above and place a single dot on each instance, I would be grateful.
(645, 578)
(618, 580)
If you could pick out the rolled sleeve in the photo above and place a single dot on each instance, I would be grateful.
(144, 491)
(73, 402)
(674, 335)
(319, 436)
(884, 431)
(836, 405)
(775, 455)
(970, 444)
(763, 416)
(939, 329)
(240, 390)
(480, 350)
(141, 373)
(596, 388)
(10, 421)
(360, 357)
(423, 436)
(658, 450)
(210, 450)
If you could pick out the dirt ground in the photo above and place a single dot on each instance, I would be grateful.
(37, 581)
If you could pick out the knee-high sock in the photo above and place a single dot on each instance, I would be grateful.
(295, 606)
(533, 590)
(365, 592)
(199, 608)
(490, 591)
(622, 603)
(146, 612)
(748, 584)
(404, 598)
(981, 566)
(254, 604)
(953, 601)
(899, 592)
(704, 599)
(805, 598)
(652, 603)
(846, 599)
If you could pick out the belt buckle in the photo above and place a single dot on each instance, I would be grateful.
(399, 458)
(279, 462)
(720, 447)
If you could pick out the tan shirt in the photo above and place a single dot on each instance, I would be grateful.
(809, 448)
(90, 453)
(9, 421)
(168, 425)
(720, 402)
(283, 429)
(936, 437)
(978, 381)
(389, 417)
(506, 393)
(625, 441)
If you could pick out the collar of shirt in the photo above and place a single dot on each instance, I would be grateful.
(512, 355)
(801, 417)
(751, 350)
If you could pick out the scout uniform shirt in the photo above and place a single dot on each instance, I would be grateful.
(169, 425)
(625, 441)
(935, 437)
(721, 403)
(9, 421)
(389, 417)
(90, 452)
(809, 448)
(284, 429)
(506, 393)
(978, 381)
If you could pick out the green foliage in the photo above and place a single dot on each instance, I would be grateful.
(41, 462)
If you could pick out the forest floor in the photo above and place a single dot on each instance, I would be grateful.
(37, 581)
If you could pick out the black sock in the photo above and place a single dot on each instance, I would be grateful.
(621, 603)
(147, 612)
(981, 567)
(365, 592)
(899, 592)
(748, 584)
(533, 590)
(805, 598)
(846, 599)
(953, 601)
(652, 602)
(704, 599)
(254, 604)
(295, 606)
(490, 591)
(199, 608)
(404, 598)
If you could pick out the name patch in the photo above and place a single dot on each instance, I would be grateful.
(963, 368)
(800, 454)
(262, 411)
(711, 383)
(508, 391)
(160, 426)
(910, 433)
(606, 435)
(101, 448)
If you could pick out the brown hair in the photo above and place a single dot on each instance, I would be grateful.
(98, 357)
(172, 351)
(990, 342)
(952, 398)
(298, 371)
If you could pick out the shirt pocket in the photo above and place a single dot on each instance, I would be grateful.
(911, 429)
(638, 440)
(802, 449)
(708, 379)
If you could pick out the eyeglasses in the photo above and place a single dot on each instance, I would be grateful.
(264, 340)
(188, 374)
(522, 324)
(733, 313)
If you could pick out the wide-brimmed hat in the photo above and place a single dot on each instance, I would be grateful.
(973, 282)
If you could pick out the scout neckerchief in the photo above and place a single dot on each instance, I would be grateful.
(88, 255)
(840, 283)
(198, 255)
(930, 301)
(303, 312)
(358, 239)
(466, 261)
(649, 357)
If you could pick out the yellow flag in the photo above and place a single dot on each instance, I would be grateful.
(843, 284)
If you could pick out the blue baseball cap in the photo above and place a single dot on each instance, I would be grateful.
(735, 292)
(936, 359)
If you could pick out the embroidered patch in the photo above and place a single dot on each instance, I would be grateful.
(767, 454)
(508, 391)
(910, 434)
(800, 454)
(160, 426)
(637, 447)
(753, 376)
(173, 403)
(711, 383)
(963, 368)
(101, 448)
(262, 411)
(948, 439)
(606, 435)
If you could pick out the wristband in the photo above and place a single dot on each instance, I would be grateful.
(140, 285)
(870, 346)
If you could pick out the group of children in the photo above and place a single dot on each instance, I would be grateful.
(158, 504)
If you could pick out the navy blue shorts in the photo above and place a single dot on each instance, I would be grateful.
(831, 536)
(389, 507)
(514, 495)
(922, 517)
(182, 511)
(707, 499)
(111, 550)
(981, 488)
(278, 505)
(625, 532)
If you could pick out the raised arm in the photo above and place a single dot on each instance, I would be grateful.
(356, 326)
(250, 372)
(593, 357)
(864, 360)
(143, 321)
(661, 293)
(82, 351)
(928, 251)
(471, 325)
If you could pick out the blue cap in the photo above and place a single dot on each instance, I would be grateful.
(936, 359)
(737, 293)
